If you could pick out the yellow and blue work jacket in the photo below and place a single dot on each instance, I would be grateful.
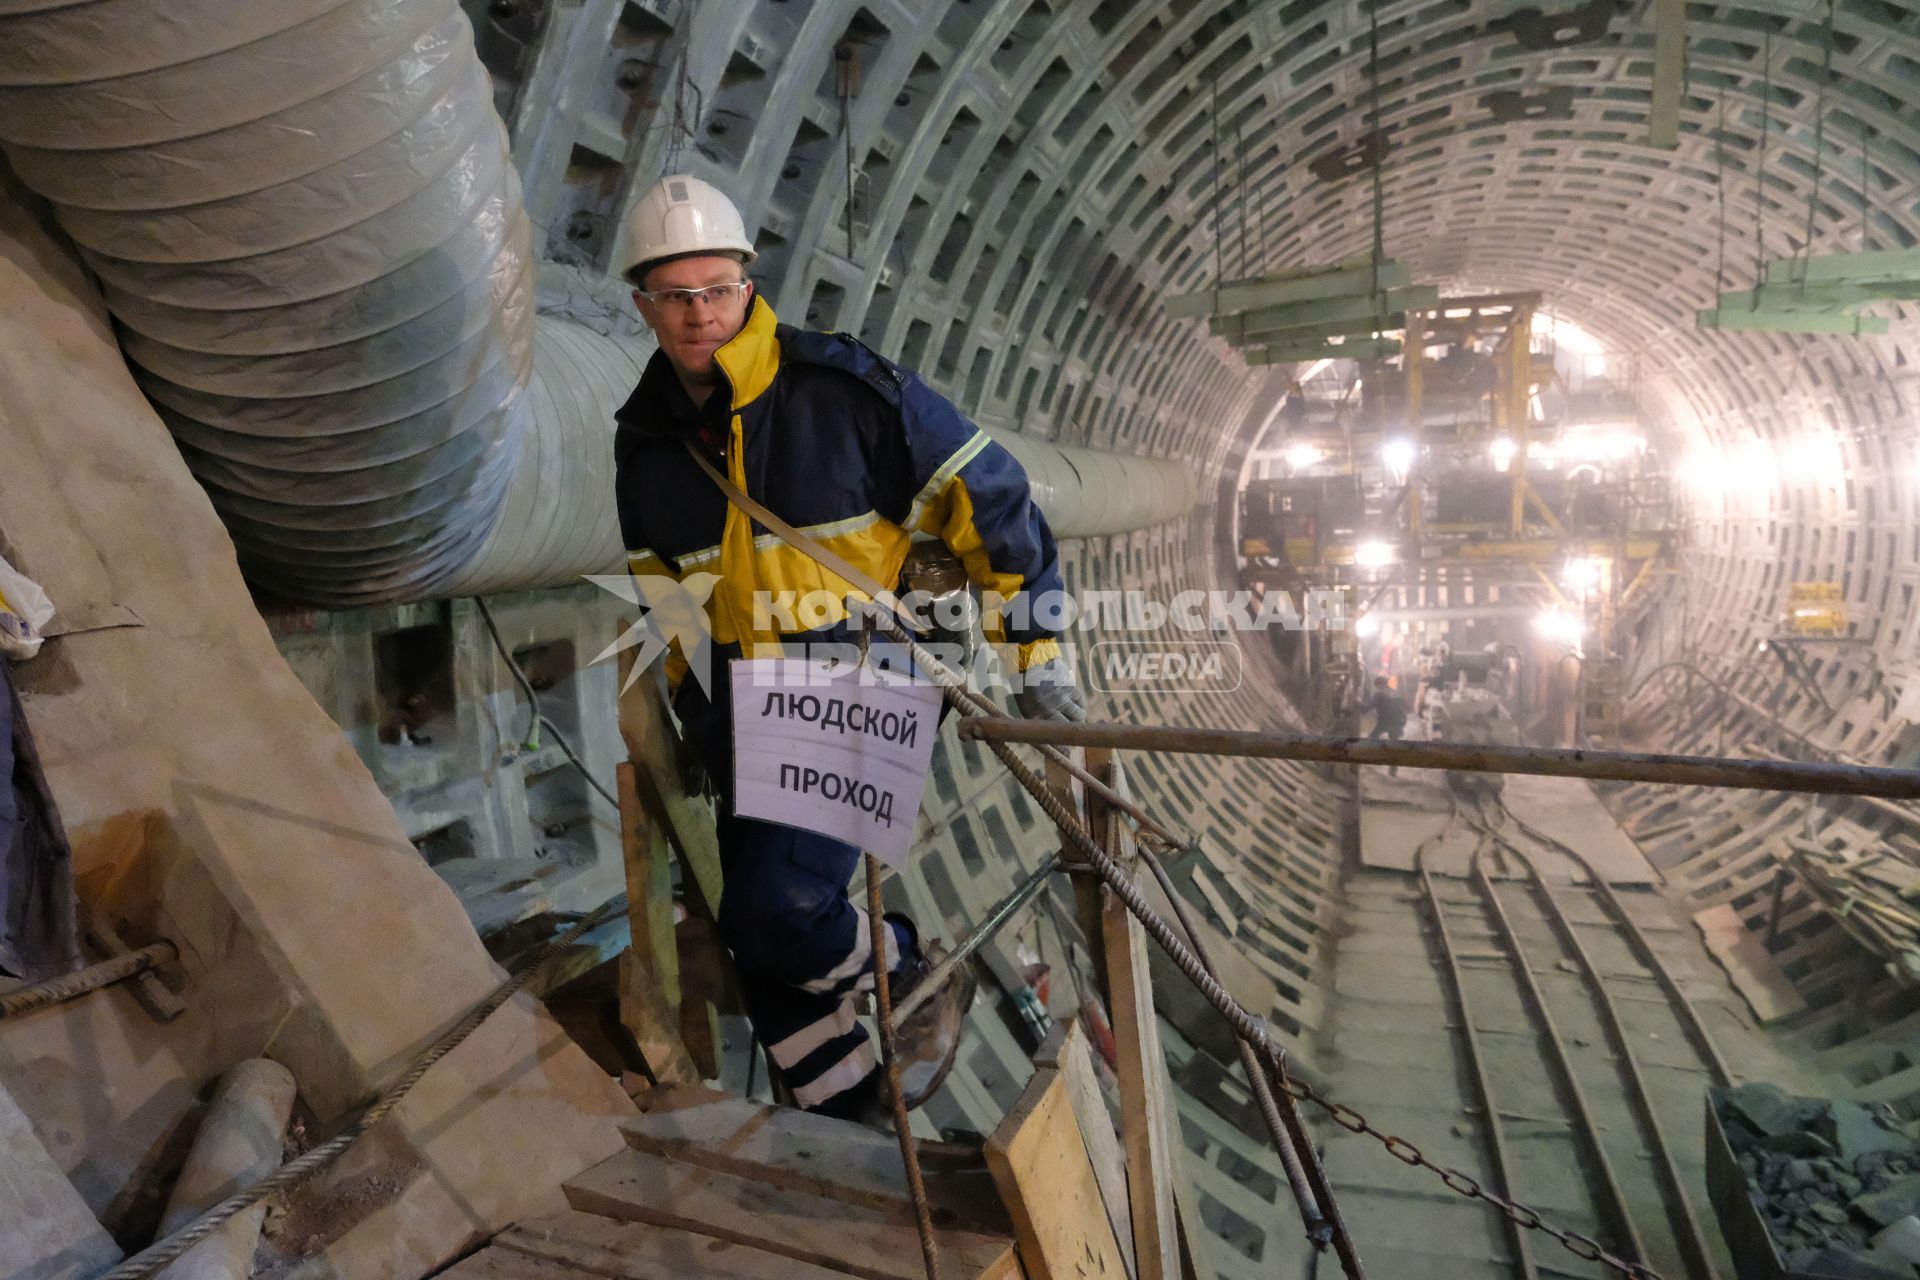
(846, 446)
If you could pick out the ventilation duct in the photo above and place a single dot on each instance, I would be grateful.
(306, 225)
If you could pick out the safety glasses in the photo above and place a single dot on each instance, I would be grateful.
(718, 295)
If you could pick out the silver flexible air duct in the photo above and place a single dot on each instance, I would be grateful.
(306, 225)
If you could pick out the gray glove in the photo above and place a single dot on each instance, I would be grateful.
(1048, 692)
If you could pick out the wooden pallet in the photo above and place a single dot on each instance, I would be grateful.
(716, 1188)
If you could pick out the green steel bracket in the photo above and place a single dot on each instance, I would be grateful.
(1295, 352)
(1735, 320)
(1365, 327)
(1847, 268)
(1351, 278)
(1812, 297)
(1306, 315)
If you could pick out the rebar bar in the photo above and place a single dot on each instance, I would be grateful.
(883, 1006)
(1554, 762)
(69, 985)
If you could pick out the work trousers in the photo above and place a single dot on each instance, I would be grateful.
(804, 951)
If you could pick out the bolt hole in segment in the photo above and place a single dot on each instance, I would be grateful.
(1545, 1034)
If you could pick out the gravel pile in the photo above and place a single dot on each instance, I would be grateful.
(1838, 1184)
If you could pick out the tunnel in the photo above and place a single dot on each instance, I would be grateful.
(1540, 370)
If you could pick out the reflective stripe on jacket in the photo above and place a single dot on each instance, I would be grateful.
(848, 447)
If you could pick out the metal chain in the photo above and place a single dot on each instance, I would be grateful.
(1581, 1246)
(1246, 1026)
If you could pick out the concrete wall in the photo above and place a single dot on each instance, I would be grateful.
(213, 801)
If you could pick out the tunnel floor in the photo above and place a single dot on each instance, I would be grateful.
(1501, 1012)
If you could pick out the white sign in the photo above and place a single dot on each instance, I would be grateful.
(833, 748)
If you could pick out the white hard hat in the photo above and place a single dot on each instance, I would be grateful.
(680, 215)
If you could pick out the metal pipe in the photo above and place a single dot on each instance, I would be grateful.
(67, 986)
(989, 925)
(888, 1020)
(1552, 762)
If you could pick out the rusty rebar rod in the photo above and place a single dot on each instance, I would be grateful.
(902, 1129)
(1553, 762)
(80, 981)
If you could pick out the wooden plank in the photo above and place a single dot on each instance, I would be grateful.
(820, 1157)
(653, 1025)
(653, 748)
(505, 1264)
(635, 1251)
(1145, 1123)
(1066, 1051)
(636, 1187)
(643, 849)
(1755, 974)
(1040, 1164)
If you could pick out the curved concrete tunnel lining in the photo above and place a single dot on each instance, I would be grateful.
(1056, 334)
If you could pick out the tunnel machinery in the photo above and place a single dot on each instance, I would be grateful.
(1486, 484)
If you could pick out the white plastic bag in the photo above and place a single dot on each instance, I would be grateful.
(25, 612)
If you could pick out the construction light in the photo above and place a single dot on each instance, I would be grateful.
(1301, 456)
(1503, 451)
(1582, 574)
(1601, 444)
(1366, 625)
(1559, 626)
(1373, 555)
(1398, 455)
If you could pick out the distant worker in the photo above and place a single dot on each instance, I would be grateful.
(859, 454)
(1389, 714)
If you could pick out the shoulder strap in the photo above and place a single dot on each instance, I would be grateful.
(799, 541)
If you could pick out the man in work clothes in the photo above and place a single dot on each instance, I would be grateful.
(1389, 714)
(858, 454)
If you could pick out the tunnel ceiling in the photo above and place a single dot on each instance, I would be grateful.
(1033, 177)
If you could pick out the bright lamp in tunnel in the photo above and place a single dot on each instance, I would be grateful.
(1398, 455)
(1503, 451)
(1559, 626)
(1301, 456)
(1582, 574)
(1373, 554)
(1366, 625)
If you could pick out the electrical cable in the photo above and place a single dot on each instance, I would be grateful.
(1819, 139)
(539, 721)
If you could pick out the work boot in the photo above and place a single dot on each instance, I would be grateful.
(928, 1042)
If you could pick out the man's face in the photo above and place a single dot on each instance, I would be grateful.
(691, 331)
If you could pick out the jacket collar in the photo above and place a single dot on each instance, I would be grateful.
(752, 357)
(748, 362)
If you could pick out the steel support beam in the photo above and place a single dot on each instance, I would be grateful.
(1551, 762)
(1780, 321)
(1793, 297)
(1847, 268)
(1669, 72)
(1301, 315)
(1354, 348)
(1348, 279)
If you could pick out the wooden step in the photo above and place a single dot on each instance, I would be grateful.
(821, 1157)
(589, 1244)
(853, 1239)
